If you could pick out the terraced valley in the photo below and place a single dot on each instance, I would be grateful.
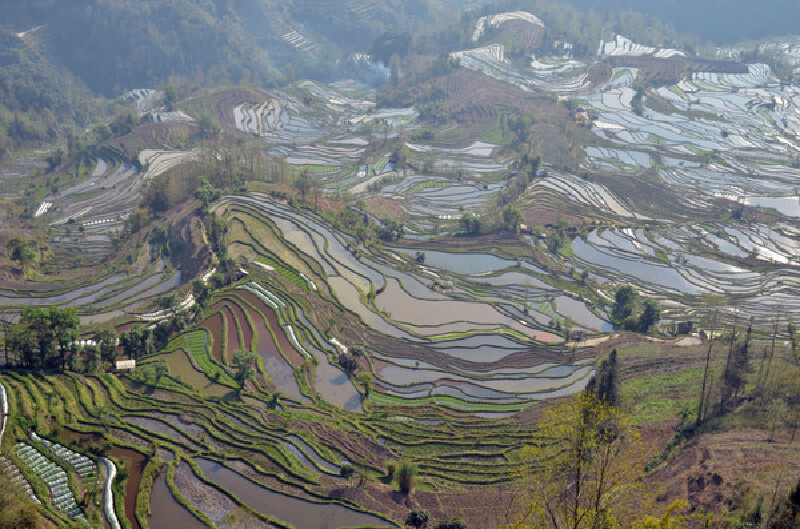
(335, 303)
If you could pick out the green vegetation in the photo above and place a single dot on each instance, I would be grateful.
(17, 511)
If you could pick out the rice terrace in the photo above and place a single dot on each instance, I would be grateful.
(350, 264)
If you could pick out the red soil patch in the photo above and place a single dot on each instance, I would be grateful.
(247, 332)
(135, 463)
(214, 326)
(294, 357)
(233, 334)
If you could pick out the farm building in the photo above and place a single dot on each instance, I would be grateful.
(125, 365)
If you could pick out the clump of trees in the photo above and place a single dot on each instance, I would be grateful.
(24, 253)
(626, 303)
(588, 475)
(244, 367)
(470, 223)
(45, 338)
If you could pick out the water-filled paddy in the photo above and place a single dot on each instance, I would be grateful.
(166, 512)
(296, 511)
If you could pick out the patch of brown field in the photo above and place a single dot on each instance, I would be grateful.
(537, 213)
(384, 208)
(480, 507)
(214, 326)
(225, 100)
(153, 136)
(180, 366)
(291, 354)
(527, 35)
(247, 332)
(233, 335)
(673, 69)
(712, 471)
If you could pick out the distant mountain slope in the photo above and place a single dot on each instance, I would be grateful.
(720, 21)
(115, 45)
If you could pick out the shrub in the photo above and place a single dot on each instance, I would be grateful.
(455, 523)
(418, 518)
(406, 472)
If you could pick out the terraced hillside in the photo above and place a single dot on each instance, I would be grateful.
(353, 278)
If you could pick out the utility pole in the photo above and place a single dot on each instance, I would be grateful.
(769, 363)
(705, 373)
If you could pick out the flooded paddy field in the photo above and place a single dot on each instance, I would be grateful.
(464, 323)
(426, 344)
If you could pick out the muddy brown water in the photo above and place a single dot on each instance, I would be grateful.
(134, 463)
(214, 326)
(301, 513)
(233, 335)
(166, 512)
(276, 366)
(133, 460)
(247, 332)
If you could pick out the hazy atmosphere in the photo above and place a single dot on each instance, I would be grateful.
(443, 264)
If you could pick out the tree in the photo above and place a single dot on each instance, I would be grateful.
(23, 253)
(304, 184)
(348, 363)
(777, 413)
(244, 364)
(419, 257)
(64, 325)
(168, 302)
(209, 127)
(651, 314)
(418, 518)
(91, 354)
(170, 97)
(604, 383)
(587, 475)
(512, 218)
(17, 510)
(674, 518)
(201, 292)
(206, 192)
(160, 370)
(471, 223)
(405, 474)
(365, 379)
(736, 365)
(134, 342)
(107, 341)
(624, 303)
